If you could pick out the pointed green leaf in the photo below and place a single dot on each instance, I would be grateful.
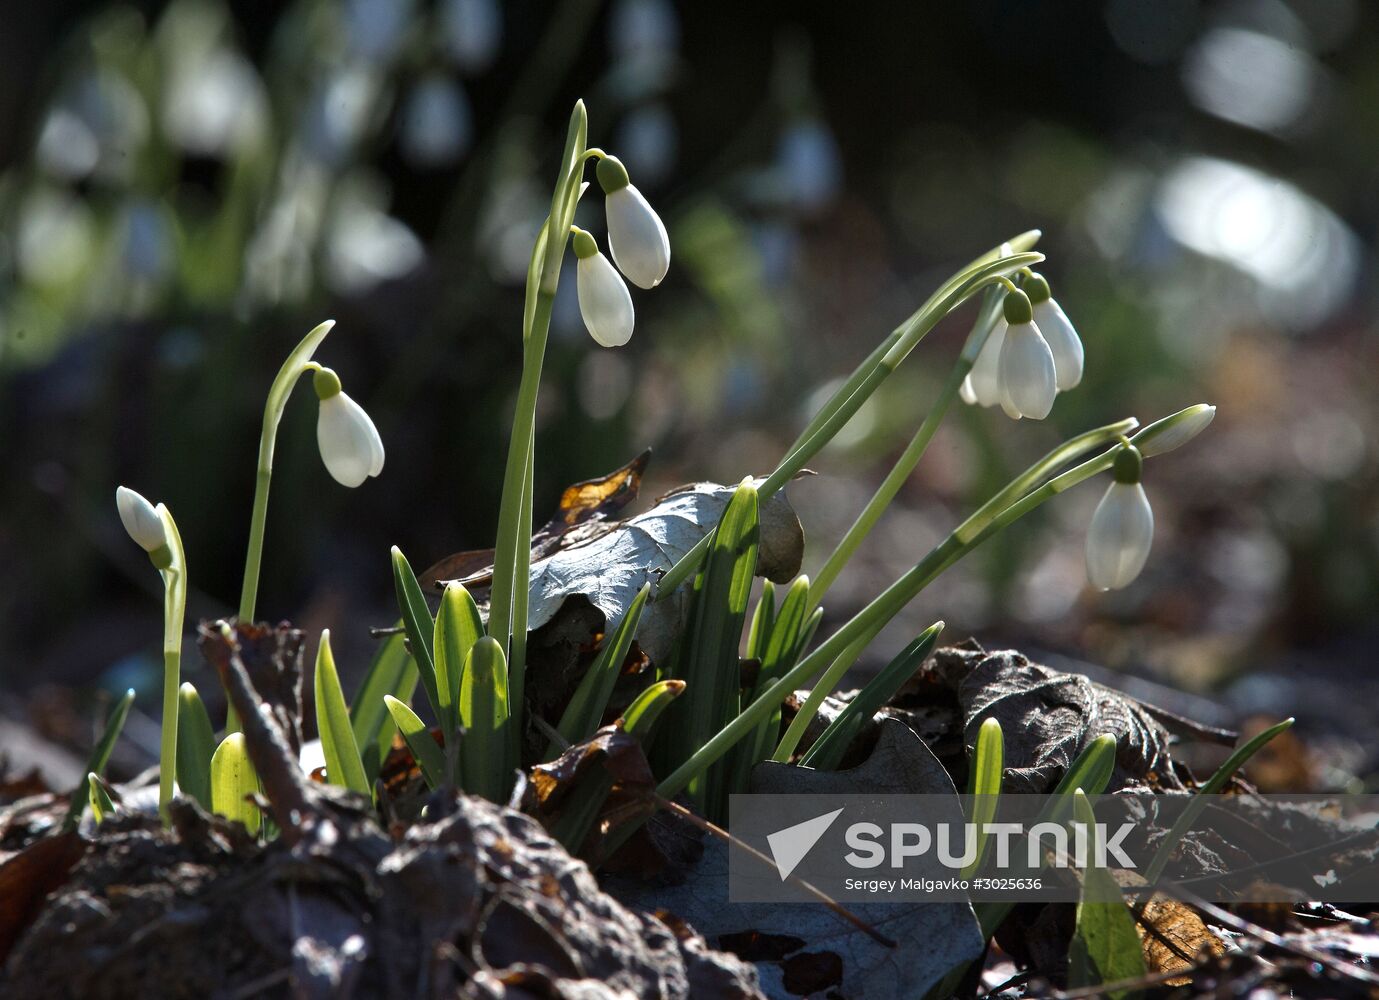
(790, 632)
(590, 700)
(762, 619)
(711, 646)
(392, 672)
(984, 785)
(419, 626)
(99, 798)
(1106, 944)
(1199, 801)
(233, 780)
(641, 716)
(484, 766)
(195, 745)
(829, 748)
(419, 740)
(343, 764)
(100, 756)
(458, 628)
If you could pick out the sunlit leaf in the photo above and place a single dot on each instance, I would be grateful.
(343, 764)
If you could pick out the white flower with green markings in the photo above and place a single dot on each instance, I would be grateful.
(1058, 331)
(604, 301)
(350, 445)
(1122, 527)
(1028, 378)
(636, 236)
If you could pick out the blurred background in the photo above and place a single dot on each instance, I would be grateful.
(186, 188)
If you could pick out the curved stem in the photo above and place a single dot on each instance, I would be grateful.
(278, 393)
(858, 389)
(889, 487)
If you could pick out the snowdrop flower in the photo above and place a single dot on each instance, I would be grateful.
(1175, 430)
(349, 442)
(1063, 341)
(636, 236)
(1027, 375)
(604, 300)
(1122, 527)
(144, 524)
(983, 383)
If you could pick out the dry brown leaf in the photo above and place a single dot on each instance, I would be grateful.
(1172, 936)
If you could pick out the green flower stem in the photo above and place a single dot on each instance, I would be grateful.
(278, 394)
(889, 487)
(843, 405)
(905, 466)
(512, 552)
(786, 748)
(174, 613)
(988, 518)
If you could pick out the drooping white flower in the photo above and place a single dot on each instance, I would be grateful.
(985, 376)
(1122, 527)
(636, 236)
(349, 441)
(1058, 331)
(1175, 430)
(141, 519)
(1028, 379)
(604, 301)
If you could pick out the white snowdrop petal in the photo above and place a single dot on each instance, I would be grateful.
(350, 445)
(141, 519)
(966, 392)
(637, 237)
(1064, 343)
(986, 371)
(1028, 379)
(604, 301)
(1119, 537)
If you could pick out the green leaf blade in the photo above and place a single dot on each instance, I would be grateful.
(417, 736)
(1106, 943)
(344, 766)
(195, 745)
(233, 780)
(828, 750)
(100, 756)
(394, 672)
(484, 767)
(418, 624)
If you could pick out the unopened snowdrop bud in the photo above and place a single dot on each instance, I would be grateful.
(636, 236)
(1174, 430)
(1027, 376)
(1122, 527)
(1058, 332)
(144, 524)
(349, 442)
(604, 300)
